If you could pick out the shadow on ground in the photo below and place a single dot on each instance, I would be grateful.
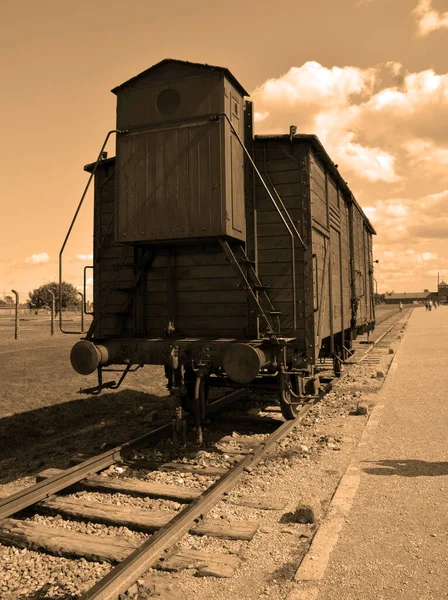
(50, 435)
(408, 468)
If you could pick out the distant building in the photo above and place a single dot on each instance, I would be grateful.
(407, 297)
(443, 292)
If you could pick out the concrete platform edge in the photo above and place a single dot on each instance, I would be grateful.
(312, 568)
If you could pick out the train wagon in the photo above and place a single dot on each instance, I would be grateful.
(329, 300)
(227, 258)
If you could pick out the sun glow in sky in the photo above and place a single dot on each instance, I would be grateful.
(370, 78)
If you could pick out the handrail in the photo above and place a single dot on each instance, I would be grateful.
(364, 287)
(296, 231)
(316, 276)
(271, 197)
(254, 166)
(98, 160)
(293, 250)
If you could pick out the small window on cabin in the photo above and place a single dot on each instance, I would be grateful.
(236, 109)
(168, 101)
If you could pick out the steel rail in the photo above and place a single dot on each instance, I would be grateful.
(391, 314)
(125, 574)
(376, 342)
(29, 496)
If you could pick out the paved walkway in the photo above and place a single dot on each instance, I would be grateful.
(388, 525)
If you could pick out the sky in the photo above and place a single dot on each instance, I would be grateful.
(368, 77)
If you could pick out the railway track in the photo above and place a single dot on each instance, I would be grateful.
(168, 526)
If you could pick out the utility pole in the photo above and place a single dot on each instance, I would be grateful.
(82, 310)
(16, 318)
(52, 312)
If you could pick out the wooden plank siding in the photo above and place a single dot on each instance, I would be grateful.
(180, 173)
(283, 175)
(195, 286)
(329, 211)
(209, 301)
(362, 262)
(345, 263)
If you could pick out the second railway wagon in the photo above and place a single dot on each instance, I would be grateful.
(224, 256)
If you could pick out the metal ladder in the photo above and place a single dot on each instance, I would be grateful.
(140, 267)
(253, 286)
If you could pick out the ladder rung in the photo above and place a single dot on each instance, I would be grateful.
(260, 286)
(275, 313)
(245, 260)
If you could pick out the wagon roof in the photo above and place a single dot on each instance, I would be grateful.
(166, 61)
(322, 154)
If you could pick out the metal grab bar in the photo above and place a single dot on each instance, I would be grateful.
(296, 231)
(293, 250)
(254, 166)
(98, 160)
(316, 276)
(364, 287)
(271, 197)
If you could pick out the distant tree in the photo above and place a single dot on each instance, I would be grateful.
(2, 302)
(9, 300)
(41, 298)
(427, 291)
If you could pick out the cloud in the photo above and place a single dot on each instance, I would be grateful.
(89, 283)
(312, 83)
(428, 155)
(428, 19)
(365, 118)
(381, 125)
(374, 163)
(407, 219)
(84, 257)
(37, 259)
(410, 244)
(327, 102)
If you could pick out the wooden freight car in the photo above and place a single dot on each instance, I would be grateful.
(222, 256)
(333, 277)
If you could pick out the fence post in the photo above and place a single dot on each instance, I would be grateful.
(52, 312)
(16, 319)
(82, 310)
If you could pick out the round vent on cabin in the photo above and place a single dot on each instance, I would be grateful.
(168, 101)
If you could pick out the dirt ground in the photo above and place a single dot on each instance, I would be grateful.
(43, 418)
